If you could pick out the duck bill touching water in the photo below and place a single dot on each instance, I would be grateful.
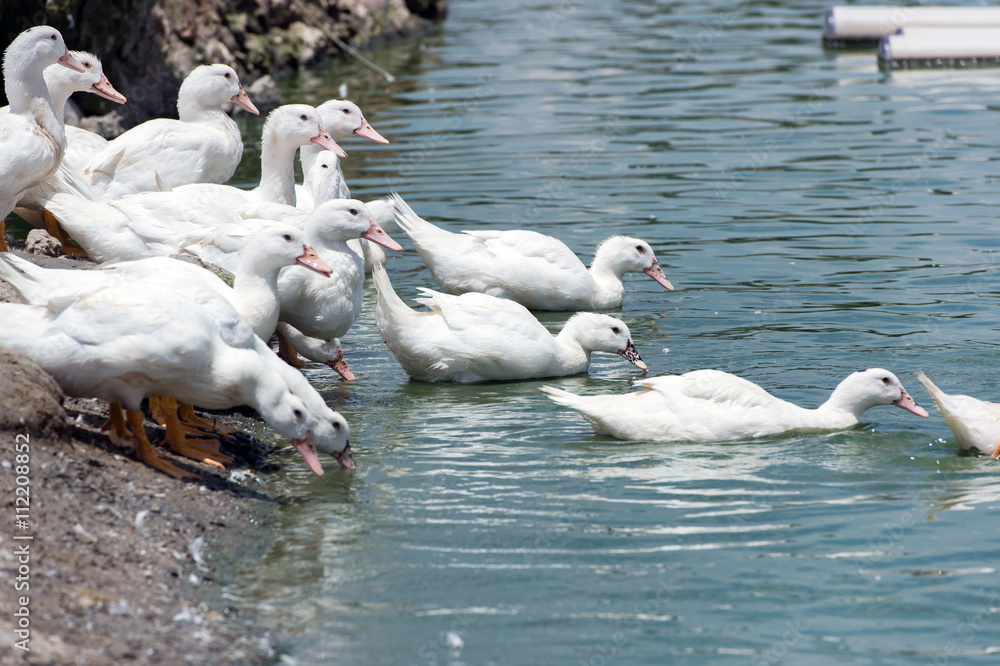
(476, 338)
(713, 406)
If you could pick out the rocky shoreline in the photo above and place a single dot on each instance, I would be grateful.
(118, 564)
(110, 558)
(148, 46)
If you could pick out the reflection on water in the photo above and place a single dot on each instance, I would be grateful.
(817, 216)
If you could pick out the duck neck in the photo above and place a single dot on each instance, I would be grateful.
(844, 409)
(29, 96)
(307, 158)
(59, 97)
(255, 296)
(609, 290)
(572, 356)
(277, 171)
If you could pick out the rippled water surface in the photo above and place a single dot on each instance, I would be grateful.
(816, 215)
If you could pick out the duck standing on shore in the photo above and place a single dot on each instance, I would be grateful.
(203, 145)
(32, 138)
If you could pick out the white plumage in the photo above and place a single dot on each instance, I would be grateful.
(203, 146)
(711, 405)
(975, 423)
(536, 270)
(475, 337)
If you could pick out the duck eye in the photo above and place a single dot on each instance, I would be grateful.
(287, 237)
(336, 425)
(325, 166)
(347, 111)
(227, 75)
(303, 117)
(297, 413)
(353, 211)
(52, 37)
(886, 381)
(615, 330)
(640, 249)
(87, 65)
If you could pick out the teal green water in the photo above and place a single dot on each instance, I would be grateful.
(816, 216)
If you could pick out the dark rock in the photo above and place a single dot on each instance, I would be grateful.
(148, 46)
(30, 400)
(432, 10)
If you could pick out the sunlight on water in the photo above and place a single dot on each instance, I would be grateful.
(817, 217)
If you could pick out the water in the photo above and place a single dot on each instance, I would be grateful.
(817, 217)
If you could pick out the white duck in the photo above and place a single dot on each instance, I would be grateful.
(139, 225)
(324, 183)
(203, 145)
(61, 83)
(122, 342)
(32, 138)
(975, 423)
(254, 296)
(341, 118)
(326, 309)
(538, 271)
(476, 337)
(285, 129)
(327, 429)
(712, 406)
(254, 293)
(81, 144)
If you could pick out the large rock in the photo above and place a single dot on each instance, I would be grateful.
(30, 400)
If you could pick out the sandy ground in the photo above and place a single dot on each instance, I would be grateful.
(112, 562)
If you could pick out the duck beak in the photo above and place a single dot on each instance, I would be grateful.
(311, 260)
(368, 132)
(339, 365)
(67, 60)
(656, 273)
(631, 354)
(907, 402)
(107, 91)
(326, 142)
(243, 100)
(345, 458)
(307, 450)
(377, 235)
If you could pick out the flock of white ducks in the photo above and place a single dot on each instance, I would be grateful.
(146, 325)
